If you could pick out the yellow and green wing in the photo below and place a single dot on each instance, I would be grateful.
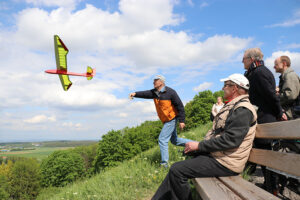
(61, 52)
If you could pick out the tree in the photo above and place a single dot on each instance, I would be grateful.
(88, 153)
(198, 110)
(61, 168)
(24, 179)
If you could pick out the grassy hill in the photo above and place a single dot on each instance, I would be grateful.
(137, 178)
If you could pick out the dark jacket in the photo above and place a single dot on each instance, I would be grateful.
(167, 102)
(262, 93)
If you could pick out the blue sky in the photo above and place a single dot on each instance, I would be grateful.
(192, 43)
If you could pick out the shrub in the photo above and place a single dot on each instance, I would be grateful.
(61, 168)
(120, 145)
(24, 179)
(4, 186)
(88, 153)
(5, 169)
(198, 110)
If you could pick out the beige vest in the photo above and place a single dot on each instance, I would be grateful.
(234, 159)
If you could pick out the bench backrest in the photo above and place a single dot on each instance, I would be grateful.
(284, 162)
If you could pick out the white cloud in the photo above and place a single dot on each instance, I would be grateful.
(126, 47)
(123, 114)
(190, 2)
(50, 3)
(203, 86)
(293, 46)
(40, 119)
(72, 125)
(295, 20)
(204, 4)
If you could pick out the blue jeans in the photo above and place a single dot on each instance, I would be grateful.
(169, 132)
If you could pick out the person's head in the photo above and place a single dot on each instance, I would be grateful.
(234, 86)
(219, 100)
(282, 63)
(159, 82)
(251, 55)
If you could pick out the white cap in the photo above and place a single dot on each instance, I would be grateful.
(160, 77)
(239, 79)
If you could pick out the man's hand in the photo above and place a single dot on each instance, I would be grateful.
(131, 95)
(191, 146)
(284, 117)
(181, 125)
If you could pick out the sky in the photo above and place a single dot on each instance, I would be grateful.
(193, 43)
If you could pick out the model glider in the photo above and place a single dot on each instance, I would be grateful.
(61, 52)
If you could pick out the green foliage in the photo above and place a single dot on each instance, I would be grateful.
(117, 146)
(88, 153)
(198, 110)
(24, 179)
(61, 168)
(4, 186)
(137, 178)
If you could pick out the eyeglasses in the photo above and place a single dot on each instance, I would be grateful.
(245, 59)
(228, 84)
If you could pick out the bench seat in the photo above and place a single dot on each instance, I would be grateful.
(235, 187)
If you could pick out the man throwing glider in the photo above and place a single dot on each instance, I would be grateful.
(169, 110)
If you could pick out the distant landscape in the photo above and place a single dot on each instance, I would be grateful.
(38, 150)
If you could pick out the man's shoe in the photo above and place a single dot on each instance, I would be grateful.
(164, 165)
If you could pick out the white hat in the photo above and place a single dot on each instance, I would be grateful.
(160, 77)
(239, 79)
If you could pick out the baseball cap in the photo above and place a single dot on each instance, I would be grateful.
(161, 77)
(239, 79)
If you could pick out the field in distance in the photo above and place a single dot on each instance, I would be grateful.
(38, 150)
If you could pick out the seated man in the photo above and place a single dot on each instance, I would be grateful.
(225, 149)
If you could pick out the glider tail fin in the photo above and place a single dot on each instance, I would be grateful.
(91, 72)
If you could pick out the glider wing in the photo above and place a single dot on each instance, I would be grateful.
(61, 52)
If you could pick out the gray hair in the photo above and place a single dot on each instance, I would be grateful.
(254, 53)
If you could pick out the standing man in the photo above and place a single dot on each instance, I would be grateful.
(289, 86)
(169, 110)
(225, 149)
(262, 95)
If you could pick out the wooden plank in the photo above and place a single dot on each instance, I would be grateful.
(246, 190)
(279, 130)
(213, 189)
(286, 162)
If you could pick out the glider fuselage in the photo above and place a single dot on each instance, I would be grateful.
(64, 72)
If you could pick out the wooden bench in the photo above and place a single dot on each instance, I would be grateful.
(235, 187)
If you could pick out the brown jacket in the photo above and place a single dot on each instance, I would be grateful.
(236, 158)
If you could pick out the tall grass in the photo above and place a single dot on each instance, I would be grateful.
(137, 178)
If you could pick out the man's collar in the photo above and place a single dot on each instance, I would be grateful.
(163, 89)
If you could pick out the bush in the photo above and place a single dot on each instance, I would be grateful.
(117, 146)
(4, 186)
(24, 180)
(198, 110)
(5, 169)
(88, 153)
(61, 168)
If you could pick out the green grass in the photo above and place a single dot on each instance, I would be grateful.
(137, 178)
(39, 153)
